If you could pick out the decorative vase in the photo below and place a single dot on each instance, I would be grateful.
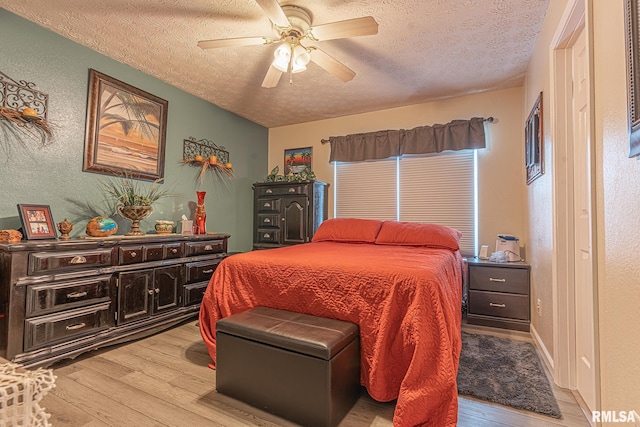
(164, 227)
(135, 214)
(65, 228)
(101, 226)
(201, 214)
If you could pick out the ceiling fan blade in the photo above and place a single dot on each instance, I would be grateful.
(241, 41)
(272, 78)
(332, 65)
(365, 26)
(274, 12)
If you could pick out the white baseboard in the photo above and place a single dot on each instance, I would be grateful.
(546, 356)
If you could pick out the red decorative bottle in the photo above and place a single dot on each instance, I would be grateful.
(201, 214)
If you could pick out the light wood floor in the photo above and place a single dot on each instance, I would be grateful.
(164, 380)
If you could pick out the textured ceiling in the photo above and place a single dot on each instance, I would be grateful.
(424, 50)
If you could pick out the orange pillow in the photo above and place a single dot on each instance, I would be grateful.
(417, 234)
(349, 230)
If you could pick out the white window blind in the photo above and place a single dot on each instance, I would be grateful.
(436, 189)
(439, 189)
(367, 190)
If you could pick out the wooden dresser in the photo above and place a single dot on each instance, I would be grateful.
(287, 213)
(499, 294)
(59, 299)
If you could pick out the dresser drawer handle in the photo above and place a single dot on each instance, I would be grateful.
(157, 290)
(267, 221)
(269, 191)
(208, 248)
(267, 205)
(78, 259)
(493, 304)
(174, 251)
(150, 291)
(208, 271)
(292, 190)
(492, 279)
(133, 254)
(77, 294)
(76, 326)
(266, 235)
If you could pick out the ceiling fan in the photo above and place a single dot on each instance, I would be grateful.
(292, 25)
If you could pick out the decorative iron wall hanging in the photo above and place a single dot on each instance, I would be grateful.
(23, 110)
(208, 157)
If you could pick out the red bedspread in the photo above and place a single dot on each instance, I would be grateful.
(406, 301)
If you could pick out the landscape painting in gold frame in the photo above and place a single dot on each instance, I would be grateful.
(126, 129)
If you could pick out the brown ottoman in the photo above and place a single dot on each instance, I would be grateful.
(300, 367)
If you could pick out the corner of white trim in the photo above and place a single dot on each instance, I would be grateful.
(546, 356)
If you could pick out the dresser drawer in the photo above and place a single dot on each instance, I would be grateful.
(173, 250)
(49, 262)
(270, 236)
(45, 330)
(205, 247)
(130, 254)
(42, 299)
(269, 205)
(499, 279)
(280, 190)
(201, 271)
(499, 305)
(194, 292)
(269, 221)
(153, 252)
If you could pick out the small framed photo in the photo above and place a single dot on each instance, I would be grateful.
(297, 160)
(37, 222)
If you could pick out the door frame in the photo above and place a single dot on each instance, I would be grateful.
(574, 20)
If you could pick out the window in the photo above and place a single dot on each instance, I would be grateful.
(436, 189)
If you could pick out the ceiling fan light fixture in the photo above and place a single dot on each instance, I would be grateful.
(282, 57)
(301, 58)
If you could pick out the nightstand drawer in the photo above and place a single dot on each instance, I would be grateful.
(499, 279)
(499, 305)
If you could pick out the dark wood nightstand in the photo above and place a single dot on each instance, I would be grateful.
(499, 294)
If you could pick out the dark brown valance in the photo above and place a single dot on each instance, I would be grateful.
(455, 135)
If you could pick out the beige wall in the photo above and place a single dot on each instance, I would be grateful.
(500, 165)
(617, 187)
(618, 215)
(538, 197)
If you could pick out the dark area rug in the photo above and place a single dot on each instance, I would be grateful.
(505, 371)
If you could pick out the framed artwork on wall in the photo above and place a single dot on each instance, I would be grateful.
(633, 74)
(297, 160)
(37, 222)
(534, 149)
(126, 129)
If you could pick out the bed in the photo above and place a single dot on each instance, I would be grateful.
(401, 283)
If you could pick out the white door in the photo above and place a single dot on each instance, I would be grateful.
(582, 189)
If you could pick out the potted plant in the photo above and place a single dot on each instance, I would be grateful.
(133, 199)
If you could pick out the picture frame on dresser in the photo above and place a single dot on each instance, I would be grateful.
(37, 222)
